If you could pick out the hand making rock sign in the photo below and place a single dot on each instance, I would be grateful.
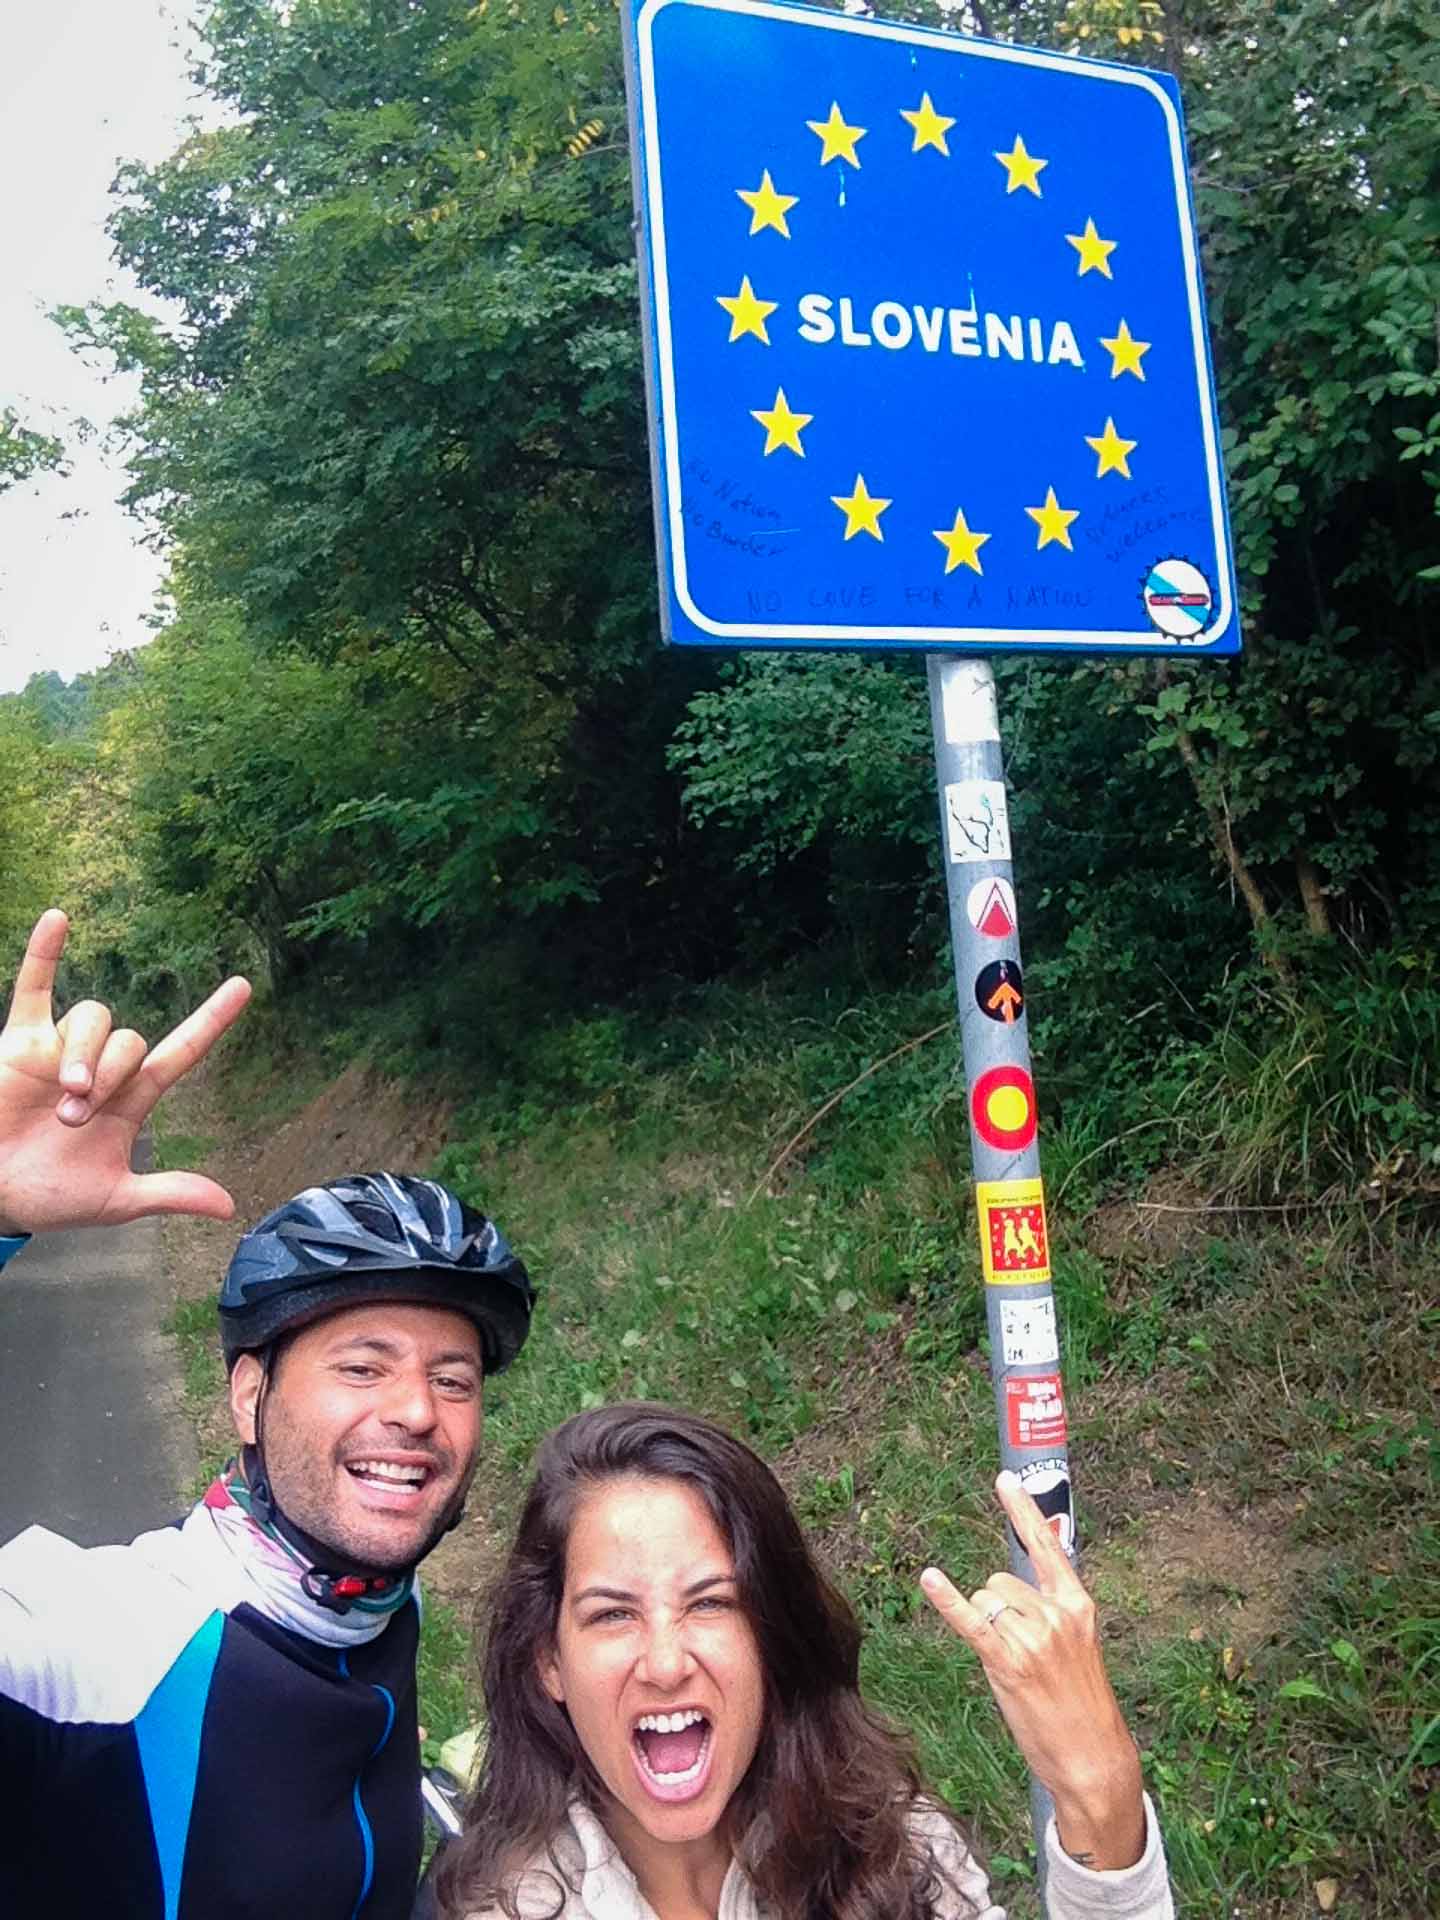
(75, 1093)
(1040, 1648)
(675, 1728)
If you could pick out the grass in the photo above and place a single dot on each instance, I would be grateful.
(180, 1150)
(838, 1322)
(1252, 1413)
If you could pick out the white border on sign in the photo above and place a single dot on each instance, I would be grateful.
(974, 50)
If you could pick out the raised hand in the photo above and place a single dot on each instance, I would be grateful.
(74, 1096)
(1040, 1649)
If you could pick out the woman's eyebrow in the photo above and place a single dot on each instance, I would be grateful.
(709, 1580)
(623, 1593)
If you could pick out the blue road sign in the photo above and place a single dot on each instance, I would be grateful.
(926, 340)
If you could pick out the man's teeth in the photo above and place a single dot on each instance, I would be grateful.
(387, 1470)
(667, 1722)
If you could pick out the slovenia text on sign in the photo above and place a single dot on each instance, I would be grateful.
(927, 351)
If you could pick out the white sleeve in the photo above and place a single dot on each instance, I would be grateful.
(1141, 1892)
(1072, 1892)
(88, 1633)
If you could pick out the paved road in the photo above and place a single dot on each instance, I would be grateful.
(93, 1438)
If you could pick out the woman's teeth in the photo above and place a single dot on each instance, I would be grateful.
(683, 1736)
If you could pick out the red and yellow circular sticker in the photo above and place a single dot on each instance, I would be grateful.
(1002, 1105)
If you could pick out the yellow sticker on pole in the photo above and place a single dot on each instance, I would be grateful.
(1014, 1246)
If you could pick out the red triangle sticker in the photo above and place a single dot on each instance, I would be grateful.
(994, 920)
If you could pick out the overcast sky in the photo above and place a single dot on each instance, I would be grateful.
(83, 84)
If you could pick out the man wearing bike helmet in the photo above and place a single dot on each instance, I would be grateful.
(219, 1719)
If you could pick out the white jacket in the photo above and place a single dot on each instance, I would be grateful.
(601, 1887)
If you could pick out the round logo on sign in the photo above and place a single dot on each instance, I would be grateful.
(990, 908)
(1178, 599)
(1000, 991)
(1048, 1484)
(1002, 1106)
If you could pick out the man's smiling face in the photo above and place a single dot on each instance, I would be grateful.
(370, 1424)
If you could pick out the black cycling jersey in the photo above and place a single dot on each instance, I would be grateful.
(169, 1752)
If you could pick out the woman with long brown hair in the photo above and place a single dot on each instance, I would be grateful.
(676, 1730)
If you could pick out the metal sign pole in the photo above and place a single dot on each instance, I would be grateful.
(1009, 1195)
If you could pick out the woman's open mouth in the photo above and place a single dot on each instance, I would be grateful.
(672, 1753)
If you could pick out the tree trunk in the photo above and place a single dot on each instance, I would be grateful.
(1171, 19)
(1317, 905)
(1234, 860)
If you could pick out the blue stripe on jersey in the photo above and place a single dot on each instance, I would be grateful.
(367, 1837)
(10, 1245)
(167, 1733)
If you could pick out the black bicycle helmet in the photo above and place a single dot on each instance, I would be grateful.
(374, 1236)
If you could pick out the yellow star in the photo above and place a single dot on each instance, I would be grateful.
(1053, 521)
(836, 137)
(1093, 251)
(1113, 451)
(782, 427)
(767, 207)
(962, 546)
(862, 510)
(1125, 351)
(1022, 169)
(930, 126)
(747, 313)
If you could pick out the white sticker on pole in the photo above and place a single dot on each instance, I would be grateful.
(1027, 1333)
(967, 702)
(977, 821)
(990, 908)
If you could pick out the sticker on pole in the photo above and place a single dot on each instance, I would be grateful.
(1002, 1108)
(967, 705)
(1048, 1484)
(1035, 1411)
(1178, 599)
(1014, 1246)
(977, 821)
(1027, 1332)
(990, 908)
(1000, 991)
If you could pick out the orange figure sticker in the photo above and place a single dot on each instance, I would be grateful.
(1014, 1246)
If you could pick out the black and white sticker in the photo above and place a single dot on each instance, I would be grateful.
(1048, 1484)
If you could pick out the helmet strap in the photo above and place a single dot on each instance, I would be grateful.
(337, 1590)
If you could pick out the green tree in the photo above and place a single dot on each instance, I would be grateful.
(1307, 771)
(398, 417)
(27, 847)
(23, 451)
